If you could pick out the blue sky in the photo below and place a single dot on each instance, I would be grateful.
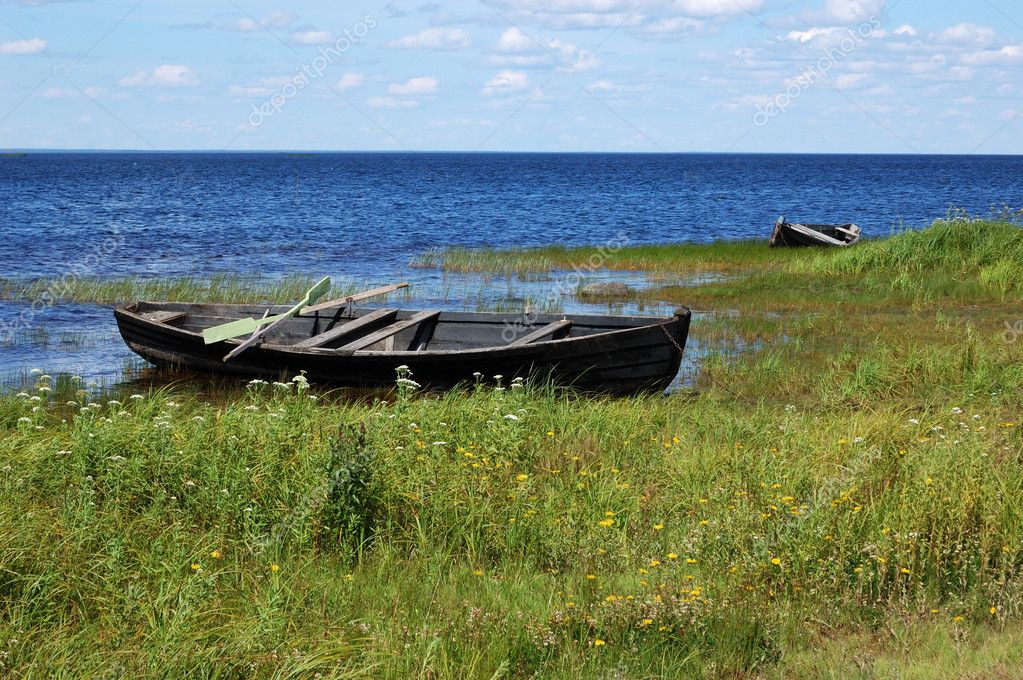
(895, 76)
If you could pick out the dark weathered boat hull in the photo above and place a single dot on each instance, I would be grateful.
(792, 235)
(630, 360)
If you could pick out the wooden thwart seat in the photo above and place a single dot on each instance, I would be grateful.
(169, 318)
(549, 331)
(429, 317)
(349, 330)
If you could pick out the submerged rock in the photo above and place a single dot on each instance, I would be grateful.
(606, 289)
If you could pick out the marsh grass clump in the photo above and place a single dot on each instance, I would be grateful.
(348, 515)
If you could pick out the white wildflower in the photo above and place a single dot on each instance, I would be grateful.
(511, 416)
(36, 371)
(24, 421)
(440, 443)
(116, 459)
(914, 421)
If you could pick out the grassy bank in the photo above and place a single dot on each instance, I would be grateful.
(845, 501)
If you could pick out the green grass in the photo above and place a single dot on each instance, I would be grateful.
(112, 290)
(846, 500)
(956, 258)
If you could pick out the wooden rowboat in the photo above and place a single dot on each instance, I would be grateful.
(363, 347)
(792, 235)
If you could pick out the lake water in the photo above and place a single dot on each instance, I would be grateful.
(365, 216)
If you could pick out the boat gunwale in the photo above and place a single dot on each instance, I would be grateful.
(638, 324)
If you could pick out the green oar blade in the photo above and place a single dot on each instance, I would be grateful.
(234, 329)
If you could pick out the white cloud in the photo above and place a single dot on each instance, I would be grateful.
(414, 87)
(391, 103)
(598, 14)
(967, 33)
(514, 40)
(516, 49)
(436, 38)
(905, 29)
(960, 73)
(851, 81)
(30, 46)
(612, 88)
(506, 82)
(250, 92)
(1010, 54)
(57, 93)
(168, 75)
(811, 34)
(311, 37)
(271, 20)
(350, 81)
(672, 26)
(852, 11)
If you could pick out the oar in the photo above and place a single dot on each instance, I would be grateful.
(364, 295)
(315, 293)
(244, 326)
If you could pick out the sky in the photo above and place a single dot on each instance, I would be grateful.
(824, 76)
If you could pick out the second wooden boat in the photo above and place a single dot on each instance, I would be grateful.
(792, 235)
(363, 347)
